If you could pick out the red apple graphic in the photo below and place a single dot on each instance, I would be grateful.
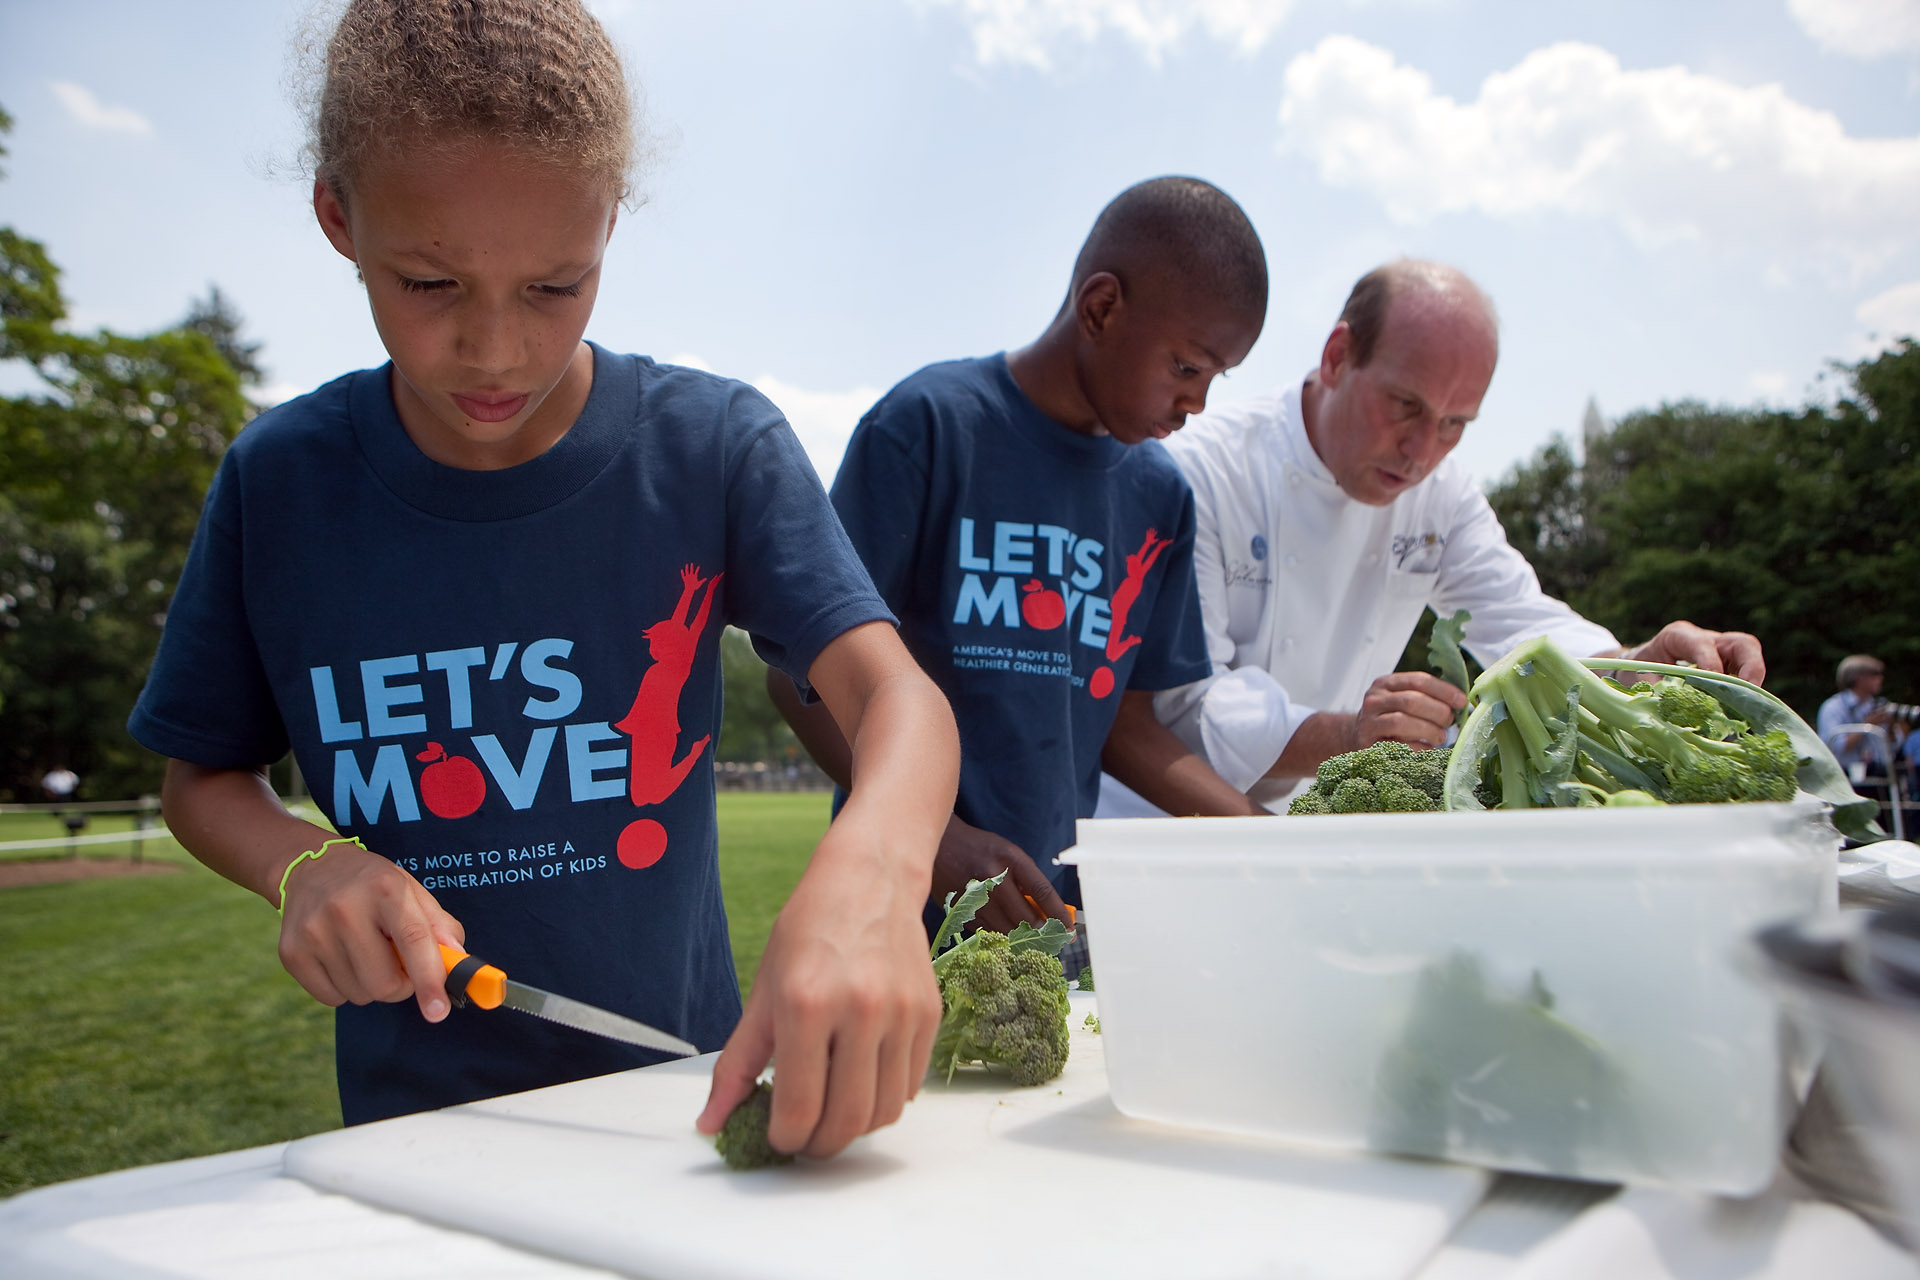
(450, 786)
(1043, 609)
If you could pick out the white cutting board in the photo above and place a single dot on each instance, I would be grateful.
(977, 1176)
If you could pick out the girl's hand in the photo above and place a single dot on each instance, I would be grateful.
(357, 929)
(845, 1003)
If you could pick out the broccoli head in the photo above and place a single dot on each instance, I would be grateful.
(1002, 1008)
(1003, 996)
(742, 1140)
(1387, 777)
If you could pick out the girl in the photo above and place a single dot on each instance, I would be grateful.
(435, 581)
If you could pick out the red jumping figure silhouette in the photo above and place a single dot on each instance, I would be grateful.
(1129, 591)
(653, 722)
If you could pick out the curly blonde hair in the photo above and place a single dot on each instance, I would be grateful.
(540, 75)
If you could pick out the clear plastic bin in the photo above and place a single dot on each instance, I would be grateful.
(1549, 991)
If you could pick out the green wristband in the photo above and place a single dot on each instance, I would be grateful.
(312, 853)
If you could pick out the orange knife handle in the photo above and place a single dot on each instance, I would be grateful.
(1036, 907)
(470, 978)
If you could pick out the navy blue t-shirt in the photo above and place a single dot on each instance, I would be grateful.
(1036, 572)
(508, 682)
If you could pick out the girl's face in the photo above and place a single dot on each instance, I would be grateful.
(481, 265)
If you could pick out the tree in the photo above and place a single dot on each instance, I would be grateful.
(1801, 527)
(102, 473)
(215, 316)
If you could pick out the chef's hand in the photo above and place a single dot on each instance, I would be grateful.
(969, 853)
(1406, 706)
(1734, 652)
(845, 1004)
(358, 929)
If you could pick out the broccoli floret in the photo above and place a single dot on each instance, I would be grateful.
(1763, 770)
(1086, 978)
(1684, 705)
(1312, 800)
(1092, 1023)
(1564, 736)
(1387, 777)
(1335, 770)
(742, 1140)
(1355, 795)
(1003, 996)
(1397, 795)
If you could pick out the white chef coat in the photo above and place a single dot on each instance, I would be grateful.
(1309, 596)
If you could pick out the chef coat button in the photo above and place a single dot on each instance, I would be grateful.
(1286, 642)
(1292, 558)
(1369, 639)
(1293, 477)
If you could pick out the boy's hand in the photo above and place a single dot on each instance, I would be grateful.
(845, 1004)
(968, 853)
(358, 929)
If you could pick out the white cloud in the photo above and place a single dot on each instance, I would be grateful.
(824, 420)
(1860, 28)
(1887, 317)
(1027, 31)
(95, 114)
(1769, 384)
(1669, 154)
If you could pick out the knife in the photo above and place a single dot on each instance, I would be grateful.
(469, 978)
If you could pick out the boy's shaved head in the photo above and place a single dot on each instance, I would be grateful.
(1183, 232)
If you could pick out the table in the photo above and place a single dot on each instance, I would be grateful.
(607, 1177)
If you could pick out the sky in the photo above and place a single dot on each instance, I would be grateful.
(1709, 201)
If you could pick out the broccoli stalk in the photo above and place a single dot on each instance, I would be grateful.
(1562, 735)
(1003, 996)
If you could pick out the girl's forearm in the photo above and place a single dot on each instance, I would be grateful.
(905, 765)
(231, 820)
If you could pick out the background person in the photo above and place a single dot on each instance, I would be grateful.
(1857, 700)
(1021, 519)
(1330, 516)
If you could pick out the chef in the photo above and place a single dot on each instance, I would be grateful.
(1330, 516)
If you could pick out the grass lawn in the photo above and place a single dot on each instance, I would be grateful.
(147, 1018)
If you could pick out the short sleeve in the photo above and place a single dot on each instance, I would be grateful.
(795, 582)
(207, 700)
(878, 495)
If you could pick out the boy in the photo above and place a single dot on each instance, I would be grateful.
(1019, 516)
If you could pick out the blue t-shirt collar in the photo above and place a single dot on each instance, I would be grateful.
(1097, 453)
(456, 494)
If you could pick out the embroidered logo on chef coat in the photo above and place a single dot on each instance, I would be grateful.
(1418, 552)
(1259, 546)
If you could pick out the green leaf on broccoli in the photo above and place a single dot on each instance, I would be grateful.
(1444, 656)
